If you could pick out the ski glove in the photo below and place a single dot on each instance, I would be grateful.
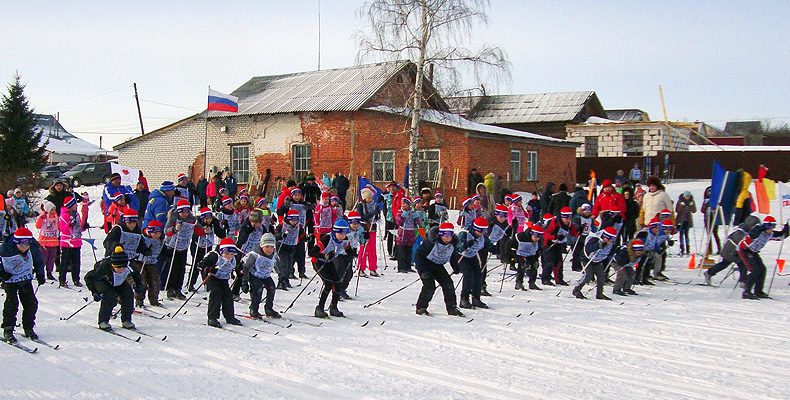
(97, 296)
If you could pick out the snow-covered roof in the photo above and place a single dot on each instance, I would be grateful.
(710, 147)
(530, 108)
(62, 142)
(457, 121)
(599, 120)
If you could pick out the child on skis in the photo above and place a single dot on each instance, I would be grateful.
(749, 249)
(468, 213)
(626, 258)
(596, 251)
(333, 261)
(437, 250)
(516, 215)
(228, 217)
(70, 242)
(555, 238)
(437, 211)
(654, 238)
(585, 225)
(243, 207)
(178, 232)
(203, 241)
(290, 233)
(269, 219)
(369, 210)
(528, 249)
(357, 237)
(20, 261)
(48, 236)
(470, 243)
(152, 235)
(406, 220)
(219, 266)
(258, 266)
(107, 282)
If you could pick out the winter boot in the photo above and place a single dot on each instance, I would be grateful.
(214, 323)
(31, 334)
(77, 284)
(303, 276)
(281, 286)
(562, 283)
(254, 314)
(105, 326)
(192, 288)
(762, 295)
(374, 274)
(647, 282)
(63, 284)
(271, 313)
(578, 294)
(619, 292)
(456, 312)
(631, 292)
(422, 311)
(707, 276)
(234, 321)
(138, 303)
(662, 277)
(333, 311)
(344, 296)
(171, 295)
(476, 303)
(293, 276)
(362, 274)
(484, 292)
(533, 286)
(464, 303)
(8, 335)
(601, 296)
(749, 295)
(128, 325)
(50, 276)
(520, 285)
(320, 313)
(547, 282)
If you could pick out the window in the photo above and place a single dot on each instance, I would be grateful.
(532, 165)
(301, 154)
(515, 165)
(383, 165)
(632, 143)
(591, 146)
(240, 162)
(428, 166)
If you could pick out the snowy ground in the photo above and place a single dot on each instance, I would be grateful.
(674, 341)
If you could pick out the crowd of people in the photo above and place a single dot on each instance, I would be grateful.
(238, 242)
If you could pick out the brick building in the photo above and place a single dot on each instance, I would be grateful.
(351, 120)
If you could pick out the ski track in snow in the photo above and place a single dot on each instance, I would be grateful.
(674, 341)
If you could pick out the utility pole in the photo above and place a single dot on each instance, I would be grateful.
(139, 114)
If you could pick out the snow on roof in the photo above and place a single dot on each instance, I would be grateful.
(457, 121)
(599, 120)
(709, 147)
(73, 145)
(530, 108)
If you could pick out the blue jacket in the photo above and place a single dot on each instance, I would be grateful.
(158, 205)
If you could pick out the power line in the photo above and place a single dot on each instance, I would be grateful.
(170, 105)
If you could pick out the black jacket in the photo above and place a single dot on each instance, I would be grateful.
(100, 278)
(142, 199)
(114, 239)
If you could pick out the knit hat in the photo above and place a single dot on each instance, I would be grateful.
(268, 240)
(536, 230)
(181, 177)
(516, 198)
(354, 216)
(167, 185)
(467, 201)
(667, 223)
(130, 215)
(261, 203)
(292, 215)
(366, 194)
(48, 206)
(255, 216)
(666, 213)
(340, 226)
(438, 194)
(22, 235)
(118, 258)
(115, 176)
(295, 191)
(154, 226)
(227, 244)
(335, 199)
(637, 245)
(205, 212)
(69, 202)
(609, 233)
(480, 224)
(446, 229)
(654, 222)
(769, 221)
(508, 197)
(500, 210)
(117, 197)
(226, 200)
(223, 191)
(586, 207)
(406, 200)
(244, 196)
(606, 182)
(566, 212)
(325, 195)
(547, 217)
(182, 205)
(244, 192)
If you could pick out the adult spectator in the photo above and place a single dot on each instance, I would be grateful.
(559, 200)
(609, 199)
(230, 184)
(114, 187)
(59, 191)
(201, 189)
(546, 198)
(342, 184)
(635, 175)
(310, 190)
(159, 204)
(498, 196)
(142, 193)
(620, 178)
(656, 199)
(472, 181)
(578, 198)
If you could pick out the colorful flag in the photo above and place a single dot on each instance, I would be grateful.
(743, 194)
(763, 200)
(593, 185)
(770, 188)
(784, 191)
(724, 190)
(364, 182)
(129, 176)
(222, 102)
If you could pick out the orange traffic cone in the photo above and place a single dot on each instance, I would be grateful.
(780, 262)
(693, 261)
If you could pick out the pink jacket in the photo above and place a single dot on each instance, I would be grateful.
(518, 213)
(211, 189)
(70, 229)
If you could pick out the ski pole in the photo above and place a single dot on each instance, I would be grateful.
(776, 264)
(305, 287)
(191, 295)
(730, 272)
(361, 254)
(76, 312)
(391, 294)
(192, 265)
(170, 268)
(502, 282)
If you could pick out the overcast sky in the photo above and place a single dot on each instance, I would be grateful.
(717, 60)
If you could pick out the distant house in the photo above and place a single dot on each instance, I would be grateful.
(610, 138)
(64, 148)
(627, 115)
(543, 113)
(352, 120)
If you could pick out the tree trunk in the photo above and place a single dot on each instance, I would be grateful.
(414, 134)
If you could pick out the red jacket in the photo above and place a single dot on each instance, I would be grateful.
(605, 202)
(551, 232)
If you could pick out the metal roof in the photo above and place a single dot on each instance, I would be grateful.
(529, 108)
(630, 115)
(343, 89)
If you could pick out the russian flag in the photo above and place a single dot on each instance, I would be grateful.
(222, 102)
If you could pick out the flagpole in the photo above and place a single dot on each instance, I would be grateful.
(782, 245)
(205, 143)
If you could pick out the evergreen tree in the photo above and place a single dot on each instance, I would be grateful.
(21, 153)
